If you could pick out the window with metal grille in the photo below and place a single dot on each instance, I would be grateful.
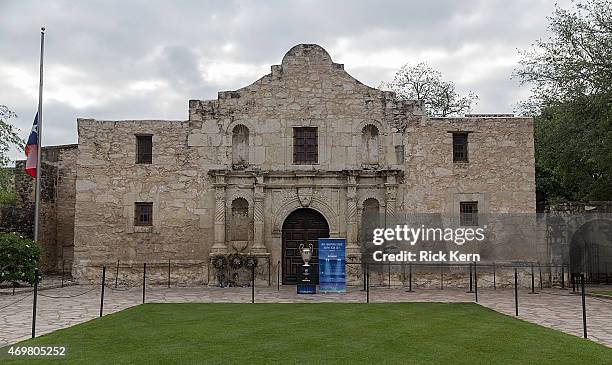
(305, 145)
(143, 214)
(144, 149)
(460, 147)
(468, 213)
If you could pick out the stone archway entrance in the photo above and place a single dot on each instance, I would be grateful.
(303, 225)
(591, 251)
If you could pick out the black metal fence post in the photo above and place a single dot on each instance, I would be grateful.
(540, 270)
(278, 270)
(471, 284)
(367, 281)
(63, 271)
(410, 277)
(606, 264)
(363, 270)
(269, 273)
(117, 274)
(144, 281)
(562, 276)
(516, 291)
(34, 303)
(550, 275)
(494, 279)
(389, 266)
(584, 318)
(532, 281)
(476, 282)
(168, 273)
(253, 284)
(441, 275)
(102, 294)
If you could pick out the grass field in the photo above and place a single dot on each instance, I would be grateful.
(407, 333)
(607, 293)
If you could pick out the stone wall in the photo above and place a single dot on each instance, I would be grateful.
(371, 146)
(57, 205)
(500, 174)
(110, 182)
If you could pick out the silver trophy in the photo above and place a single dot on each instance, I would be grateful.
(306, 253)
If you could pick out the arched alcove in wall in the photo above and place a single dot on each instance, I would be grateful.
(303, 226)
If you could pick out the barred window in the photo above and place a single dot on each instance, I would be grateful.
(143, 214)
(144, 149)
(460, 147)
(305, 145)
(468, 213)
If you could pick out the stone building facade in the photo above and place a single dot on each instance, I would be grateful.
(301, 153)
(56, 232)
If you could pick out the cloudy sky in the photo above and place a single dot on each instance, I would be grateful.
(146, 59)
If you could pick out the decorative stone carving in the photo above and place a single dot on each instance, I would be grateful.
(219, 247)
(258, 218)
(352, 247)
(305, 196)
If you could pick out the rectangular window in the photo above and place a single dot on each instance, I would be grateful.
(468, 213)
(460, 147)
(144, 149)
(143, 214)
(305, 145)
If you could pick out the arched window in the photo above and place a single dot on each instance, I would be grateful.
(240, 220)
(240, 147)
(370, 144)
(370, 218)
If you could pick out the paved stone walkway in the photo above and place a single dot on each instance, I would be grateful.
(64, 307)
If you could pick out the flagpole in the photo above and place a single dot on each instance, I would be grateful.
(39, 133)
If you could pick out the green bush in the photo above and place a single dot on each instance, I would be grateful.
(19, 257)
(7, 197)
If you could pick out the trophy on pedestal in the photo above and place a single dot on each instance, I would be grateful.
(305, 286)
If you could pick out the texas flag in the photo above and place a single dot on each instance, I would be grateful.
(31, 149)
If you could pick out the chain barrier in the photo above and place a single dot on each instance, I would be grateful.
(68, 296)
(17, 301)
(123, 288)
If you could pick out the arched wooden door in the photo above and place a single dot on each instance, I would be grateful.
(302, 226)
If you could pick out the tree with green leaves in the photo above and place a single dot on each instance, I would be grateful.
(421, 82)
(8, 139)
(19, 257)
(8, 135)
(571, 74)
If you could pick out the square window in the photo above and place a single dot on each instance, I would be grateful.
(305, 145)
(144, 149)
(468, 213)
(143, 214)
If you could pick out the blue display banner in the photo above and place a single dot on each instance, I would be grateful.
(332, 260)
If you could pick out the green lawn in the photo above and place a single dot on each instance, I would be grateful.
(406, 333)
(607, 293)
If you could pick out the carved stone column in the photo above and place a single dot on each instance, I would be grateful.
(219, 247)
(259, 247)
(390, 194)
(352, 248)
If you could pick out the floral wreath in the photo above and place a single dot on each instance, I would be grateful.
(251, 262)
(219, 262)
(235, 261)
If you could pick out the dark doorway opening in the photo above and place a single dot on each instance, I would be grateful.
(302, 226)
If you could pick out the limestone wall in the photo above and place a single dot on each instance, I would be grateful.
(57, 205)
(307, 89)
(499, 174)
(110, 182)
(194, 177)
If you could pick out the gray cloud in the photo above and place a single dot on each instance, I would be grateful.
(145, 59)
